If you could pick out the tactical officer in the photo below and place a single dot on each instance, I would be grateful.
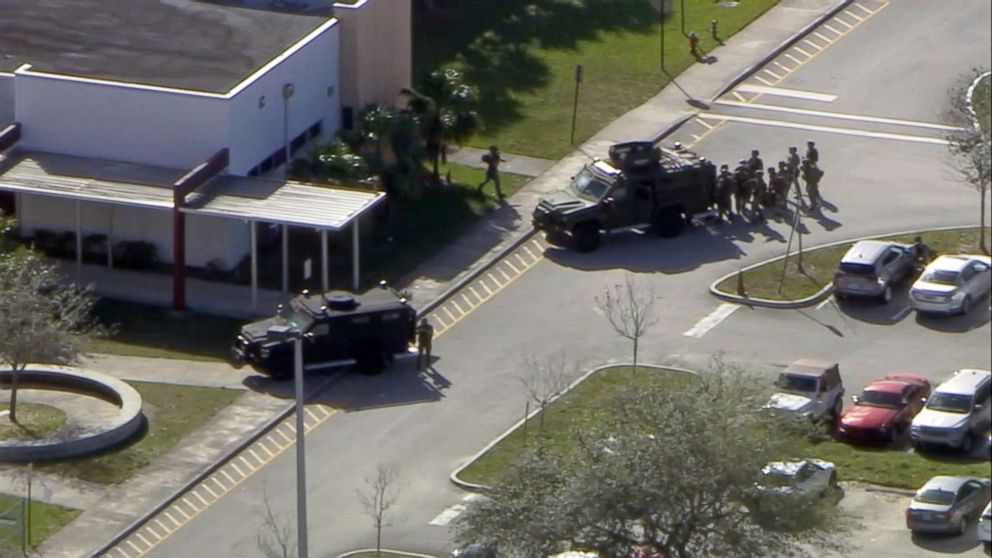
(812, 154)
(793, 176)
(759, 195)
(755, 163)
(742, 174)
(812, 175)
(425, 336)
(726, 189)
(778, 188)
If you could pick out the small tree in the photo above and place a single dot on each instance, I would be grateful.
(277, 539)
(40, 321)
(379, 495)
(443, 104)
(630, 310)
(971, 148)
(545, 381)
(666, 469)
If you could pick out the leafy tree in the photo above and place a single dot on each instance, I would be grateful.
(662, 471)
(443, 106)
(337, 161)
(630, 310)
(388, 140)
(971, 148)
(41, 321)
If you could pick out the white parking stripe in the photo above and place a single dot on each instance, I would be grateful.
(827, 129)
(823, 37)
(782, 92)
(825, 302)
(831, 29)
(721, 313)
(812, 44)
(901, 314)
(803, 52)
(763, 80)
(793, 58)
(843, 116)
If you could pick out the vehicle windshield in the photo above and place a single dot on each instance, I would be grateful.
(880, 399)
(950, 402)
(941, 277)
(296, 318)
(777, 479)
(857, 268)
(935, 496)
(588, 186)
(803, 384)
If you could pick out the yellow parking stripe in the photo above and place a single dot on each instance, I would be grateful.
(458, 307)
(739, 97)
(135, 547)
(771, 73)
(523, 262)
(823, 37)
(505, 275)
(530, 253)
(787, 69)
(854, 15)
(154, 533)
(863, 8)
(793, 58)
(468, 301)
(763, 80)
(143, 539)
(812, 44)
(513, 267)
(704, 124)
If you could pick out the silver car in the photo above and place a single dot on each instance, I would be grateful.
(946, 504)
(952, 284)
(871, 267)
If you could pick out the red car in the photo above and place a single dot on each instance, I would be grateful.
(884, 409)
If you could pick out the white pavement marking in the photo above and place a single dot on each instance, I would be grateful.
(452, 512)
(763, 80)
(787, 69)
(823, 37)
(822, 304)
(704, 124)
(827, 129)
(831, 29)
(803, 52)
(721, 313)
(842, 116)
(782, 92)
(739, 96)
(812, 44)
(854, 15)
(901, 314)
(844, 23)
(773, 74)
(793, 58)
(866, 10)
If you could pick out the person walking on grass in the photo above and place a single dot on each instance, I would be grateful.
(492, 159)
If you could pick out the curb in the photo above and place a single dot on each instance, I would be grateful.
(825, 291)
(782, 47)
(887, 490)
(968, 99)
(387, 550)
(203, 474)
(453, 477)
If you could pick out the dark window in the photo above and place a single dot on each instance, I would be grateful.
(279, 157)
(315, 130)
(266, 166)
(390, 316)
(297, 142)
(347, 118)
(360, 320)
(890, 257)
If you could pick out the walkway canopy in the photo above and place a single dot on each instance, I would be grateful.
(254, 200)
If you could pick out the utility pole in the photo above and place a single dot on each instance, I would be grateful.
(579, 71)
(301, 457)
(287, 92)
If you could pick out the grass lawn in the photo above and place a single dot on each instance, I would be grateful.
(46, 520)
(585, 403)
(151, 331)
(819, 266)
(34, 421)
(522, 56)
(982, 100)
(173, 413)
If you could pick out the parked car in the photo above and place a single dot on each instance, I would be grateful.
(952, 284)
(475, 550)
(884, 409)
(959, 410)
(810, 388)
(871, 267)
(985, 528)
(787, 491)
(946, 504)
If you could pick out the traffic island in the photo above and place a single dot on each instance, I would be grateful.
(383, 553)
(784, 282)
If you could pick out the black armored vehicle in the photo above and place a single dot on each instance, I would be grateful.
(368, 329)
(641, 186)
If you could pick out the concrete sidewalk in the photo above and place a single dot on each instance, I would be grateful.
(749, 48)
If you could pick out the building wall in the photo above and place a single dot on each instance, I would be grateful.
(256, 128)
(118, 122)
(207, 238)
(6, 99)
(376, 50)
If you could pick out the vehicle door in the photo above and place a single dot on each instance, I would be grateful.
(911, 396)
(891, 266)
(967, 498)
(983, 407)
(824, 397)
(981, 279)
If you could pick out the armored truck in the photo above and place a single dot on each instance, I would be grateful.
(640, 186)
(368, 329)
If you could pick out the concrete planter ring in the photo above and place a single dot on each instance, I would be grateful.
(128, 421)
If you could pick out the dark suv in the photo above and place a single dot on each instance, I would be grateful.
(871, 267)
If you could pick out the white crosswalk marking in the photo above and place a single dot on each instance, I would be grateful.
(721, 313)
(452, 512)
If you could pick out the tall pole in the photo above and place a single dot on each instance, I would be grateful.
(287, 92)
(661, 32)
(301, 458)
(682, 10)
(575, 103)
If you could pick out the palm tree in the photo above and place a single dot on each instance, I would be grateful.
(443, 105)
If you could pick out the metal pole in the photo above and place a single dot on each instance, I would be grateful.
(287, 92)
(301, 458)
(254, 266)
(785, 261)
(354, 255)
(285, 259)
(682, 10)
(661, 28)
(79, 244)
(324, 271)
(575, 103)
(26, 541)
(110, 240)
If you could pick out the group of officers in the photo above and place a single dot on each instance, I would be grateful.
(748, 189)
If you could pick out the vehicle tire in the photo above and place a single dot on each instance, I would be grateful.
(586, 237)
(668, 222)
(886, 296)
(965, 306)
(837, 410)
(963, 526)
(371, 362)
(967, 444)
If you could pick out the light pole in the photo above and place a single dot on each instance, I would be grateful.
(661, 32)
(287, 92)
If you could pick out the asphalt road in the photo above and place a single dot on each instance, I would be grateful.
(897, 64)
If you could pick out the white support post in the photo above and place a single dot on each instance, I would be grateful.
(285, 259)
(354, 255)
(110, 240)
(79, 244)
(254, 266)
(324, 270)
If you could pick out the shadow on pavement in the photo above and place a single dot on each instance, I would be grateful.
(976, 318)
(401, 384)
(870, 311)
(949, 544)
(644, 252)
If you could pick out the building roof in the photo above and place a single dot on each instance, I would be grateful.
(233, 197)
(183, 44)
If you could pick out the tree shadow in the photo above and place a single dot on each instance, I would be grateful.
(493, 41)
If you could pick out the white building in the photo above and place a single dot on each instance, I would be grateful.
(112, 103)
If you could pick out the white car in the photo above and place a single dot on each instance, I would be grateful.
(787, 492)
(952, 284)
(985, 528)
